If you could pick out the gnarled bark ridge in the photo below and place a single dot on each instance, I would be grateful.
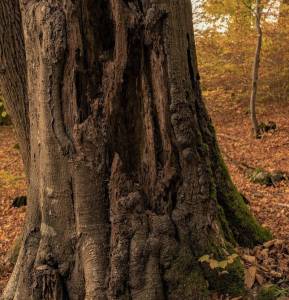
(127, 186)
(13, 81)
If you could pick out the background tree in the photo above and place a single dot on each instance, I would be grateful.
(226, 51)
(283, 10)
(256, 67)
(277, 50)
(127, 188)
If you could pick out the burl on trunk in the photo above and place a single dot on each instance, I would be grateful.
(127, 188)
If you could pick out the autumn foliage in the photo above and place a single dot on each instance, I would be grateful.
(226, 49)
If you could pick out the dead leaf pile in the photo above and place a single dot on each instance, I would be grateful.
(12, 184)
(268, 263)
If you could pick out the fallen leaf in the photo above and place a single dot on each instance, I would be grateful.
(204, 258)
(250, 276)
(250, 259)
(259, 279)
(269, 244)
(213, 264)
(276, 274)
(223, 264)
(263, 254)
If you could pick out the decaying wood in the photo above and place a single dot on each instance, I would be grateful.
(126, 179)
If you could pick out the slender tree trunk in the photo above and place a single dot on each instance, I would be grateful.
(283, 12)
(256, 67)
(127, 185)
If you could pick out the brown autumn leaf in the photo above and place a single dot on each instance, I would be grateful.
(263, 254)
(269, 244)
(259, 279)
(250, 259)
(250, 276)
(276, 274)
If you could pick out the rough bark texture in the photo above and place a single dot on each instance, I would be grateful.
(127, 186)
(13, 73)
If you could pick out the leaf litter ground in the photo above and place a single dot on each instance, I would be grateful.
(268, 263)
(12, 184)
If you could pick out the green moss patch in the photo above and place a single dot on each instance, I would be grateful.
(272, 292)
(243, 225)
(185, 278)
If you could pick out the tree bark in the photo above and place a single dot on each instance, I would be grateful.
(13, 73)
(256, 67)
(127, 185)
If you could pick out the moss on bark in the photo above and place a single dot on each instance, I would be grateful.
(229, 281)
(238, 224)
(243, 225)
(185, 277)
(190, 279)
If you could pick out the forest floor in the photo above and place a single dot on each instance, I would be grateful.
(267, 264)
(12, 184)
(270, 204)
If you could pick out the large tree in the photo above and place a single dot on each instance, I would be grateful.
(127, 187)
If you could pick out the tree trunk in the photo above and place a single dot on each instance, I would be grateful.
(256, 67)
(127, 185)
(283, 12)
(13, 73)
